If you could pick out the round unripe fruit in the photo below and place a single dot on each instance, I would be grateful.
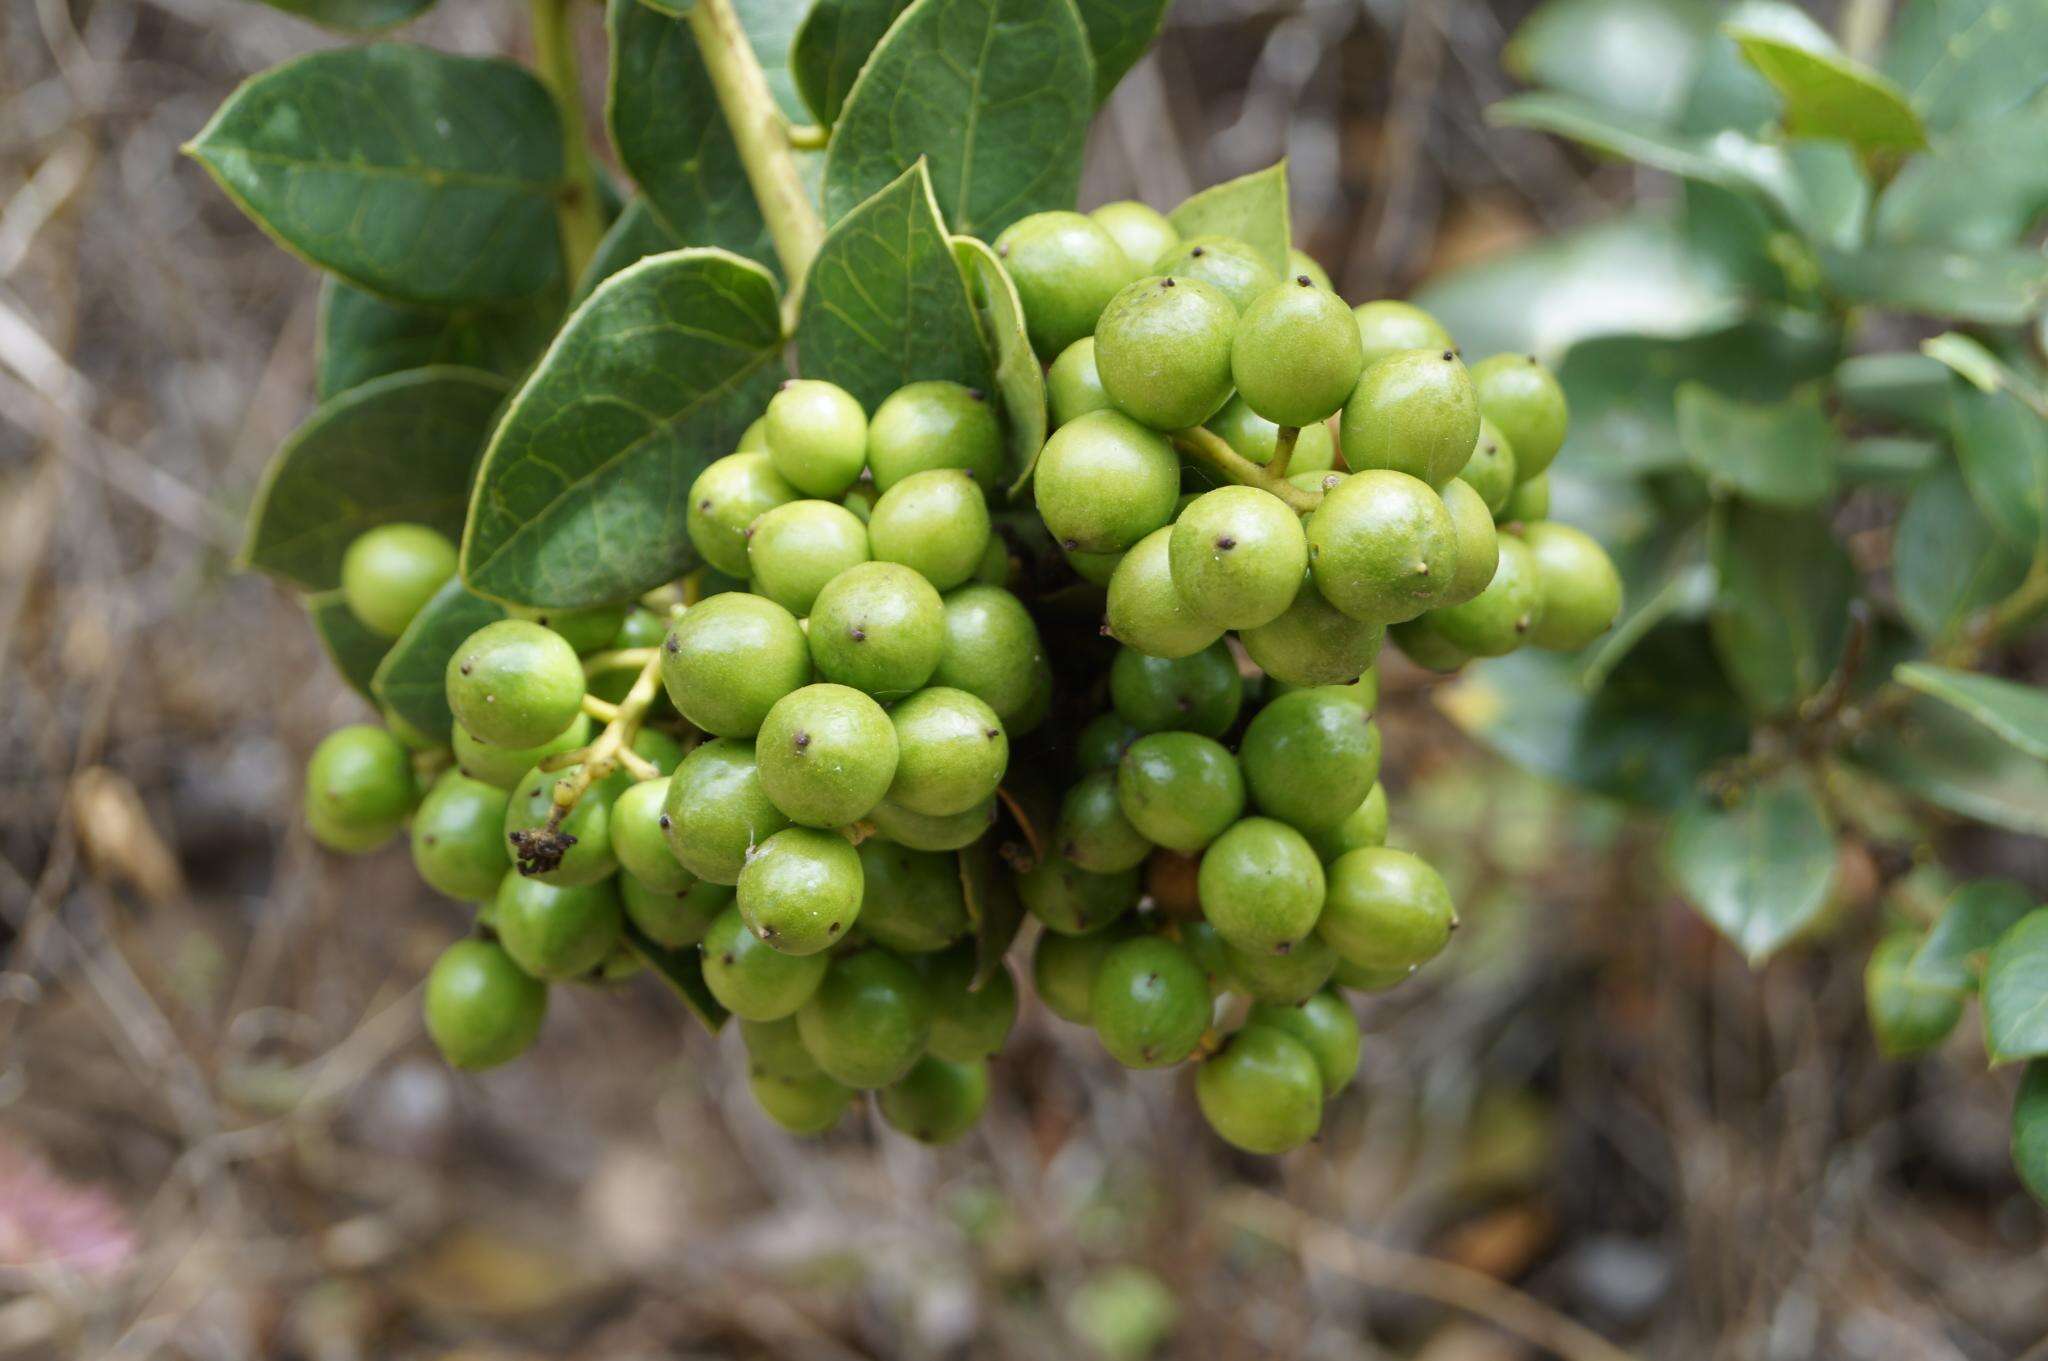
(1263, 1093)
(1325, 1027)
(911, 901)
(588, 826)
(1150, 1003)
(1530, 502)
(775, 1049)
(676, 918)
(951, 752)
(1386, 909)
(1073, 385)
(1261, 886)
(992, 651)
(827, 754)
(1355, 979)
(1301, 262)
(795, 549)
(727, 496)
(514, 683)
(1063, 969)
(1523, 398)
(1478, 553)
(458, 838)
(937, 1101)
(1283, 979)
(1421, 644)
(502, 767)
(935, 523)
(1388, 327)
(751, 978)
(1180, 789)
(1098, 569)
(868, 1021)
(1310, 757)
(800, 1105)
(1580, 588)
(727, 660)
(1103, 482)
(359, 787)
(817, 436)
(556, 933)
(1363, 826)
(1415, 412)
(924, 833)
(878, 627)
(1382, 547)
(1163, 350)
(481, 1010)
(1504, 615)
(754, 439)
(934, 424)
(1239, 556)
(1296, 357)
(717, 811)
(585, 628)
(1224, 263)
(389, 573)
(1255, 437)
(1491, 469)
(801, 889)
(1101, 744)
(968, 1023)
(1140, 230)
(1146, 612)
(1197, 693)
(1093, 832)
(1313, 644)
(1065, 268)
(1072, 901)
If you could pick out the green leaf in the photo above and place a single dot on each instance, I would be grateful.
(420, 176)
(1906, 1019)
(1968, 357)
(1828, 95)
(581, 497)
(993, 907)
(1664, 577)
(1728, 92)
(1020, 382)
(1634, 57)
(771, 27)
(2030, 1131)
(2014, 712)
(1253, 208)
(355, 16)
(664, 119)
(2002, 287)
(2015, 991)
(683, 972)
(354, 650)
(1980, 187)
(1781, 617)
(397, 448)
(1896, 388)
(1887, 461)
(1949, 959)
(363, 337)
(413, 677)
(2003, 450)
(1759, 869)
(886, 303)
(831, 47)
(638, 233)
(1961, 60)
(1937, 754)
(995, 94)
(1947, 560)
(1119, 31)
(1777, 454)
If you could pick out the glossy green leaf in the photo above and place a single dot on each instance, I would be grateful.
(683, 972)
(1888, 461)
(414, 174)
(398, 448)
(994, 94)
(1950, 957)
(1980, 187)
(2002, 287)
(1727, 92)
(1253, 208)
(354, 16)
(2030, 1131)
(1939, 755)
(1777, 454)
(1905, 1018)
(2015, 991)
(1961, 60)
(1634, 57)
(1781, 615)
(1828, 95)
(637, 233)
(1119, 31)
(413, 677)
(1895, 388)
(771, 27)
(354, 650)
(831, 47)
(1947, 560)
(886, 303)
(1968, 357)
(364, 337)
(1020, 382)
(2003, 449)
(581, 497)
(2016, 713)
(994, 908)
(1760, 868)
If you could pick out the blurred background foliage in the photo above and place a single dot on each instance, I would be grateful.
(222, 1134)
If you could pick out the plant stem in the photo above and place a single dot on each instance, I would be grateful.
(808, 136)
(1206, 446)
(1283, 450)
(577, 210)
(762, 135)
(1863, 23)
(538, 850)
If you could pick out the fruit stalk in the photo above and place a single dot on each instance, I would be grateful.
(1211, 449)
(577, 210)
(542, 850)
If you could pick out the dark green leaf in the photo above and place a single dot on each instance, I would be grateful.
(1779, 454)
(398, 448)
(995, 94)
(1960, 60)
(993, 907)
(1760, 868)
(1905, 1017)
(1972, 920)
(363, 337)
(1895, 388)
(413, 677)
(1947, 560)
(1253, 208)
(1020, 382)
(637, 234)
(1781, 616)
(831, 47)
(886, 303)
(2003, 287)
(2015, 991)
(355, 16)
(1119, 31)
(1634, 57)
(581, 498)
(1664, 577)
(1885, 461)
(1828, 95)
(2016, 713)
(771, 27)
(417, 175)
(1977, 188)
(2003, 450)
(1937, 754)
(2030, 1131)
(354, 650)
(683, 972)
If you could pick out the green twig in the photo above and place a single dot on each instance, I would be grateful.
(1283, 450)
(540, 849)
(808, 136)
(1210, 448)
(577, 210)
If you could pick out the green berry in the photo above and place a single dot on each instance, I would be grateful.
(588, 826)
(1530, 502)
(586, 629)
(1065, 268)
(1093, 832)
(751, 978)
(502, 767)
(1415, 412)
(1146, 612)
(458, 838)
(1063, 969)
(1313, 644)
(389, 573)
(514, 683)
(1382, 547)
(1150, 1003)
(795, 549)
(994, 567)
(1504, 615)
(1140, 230)
(1283, 979)
(1581, 590)
(1163, 350)
(1386, 909)
(1098, 569)
(968, 1023)
(1310, 757)
(1101, 744)
(1301, 262)
(1197, 693)
(1180, 789)
(922, 832)
(1239, 556)
(675, 918)
(827, 754)
(1523, 398)
(1210, 954)
(1365, 825)
(717, 810)
(935, 523)
(1255, 437)
(1491, 469)
(411, 737)
(868, 1022)
(1388, 327)
(1263, 1093)
(727, 660)
(801, 890)
(1352, 978)
(481, 1010)
(754, 439)
(911, 901)
(1421, 644)
(1478, 553)
(556, 932)
(1073, 385)
(775, 1049)
(937, 1101)
(728, 496)
(992, 650)
(1103, 482)
(658, 749)
(1326, 1028)
(1296, 357)
(861, 501)
(1261, 886)
(951, 752)
(1072, 901)
(934, 424)
(817, 436)
(359, 787)
(1224, 263)
(878, 627)
(802, 1106)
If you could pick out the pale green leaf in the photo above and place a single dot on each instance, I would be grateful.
(1760, 868)
(1778, 454)
(1253, 208)
(1976, 914)
(2003, 287)
(2015, 991)
(1980, 187)
(1020, 382)
(1947, 560)
(1906, 1018)
(1935, 753)
(1828, 95)
(2014, 712)
(1634, 57)
(1961, 60)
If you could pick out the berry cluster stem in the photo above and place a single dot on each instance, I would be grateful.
(1206, 446)
(613, 747)
(1283, 450)
(577, 210)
